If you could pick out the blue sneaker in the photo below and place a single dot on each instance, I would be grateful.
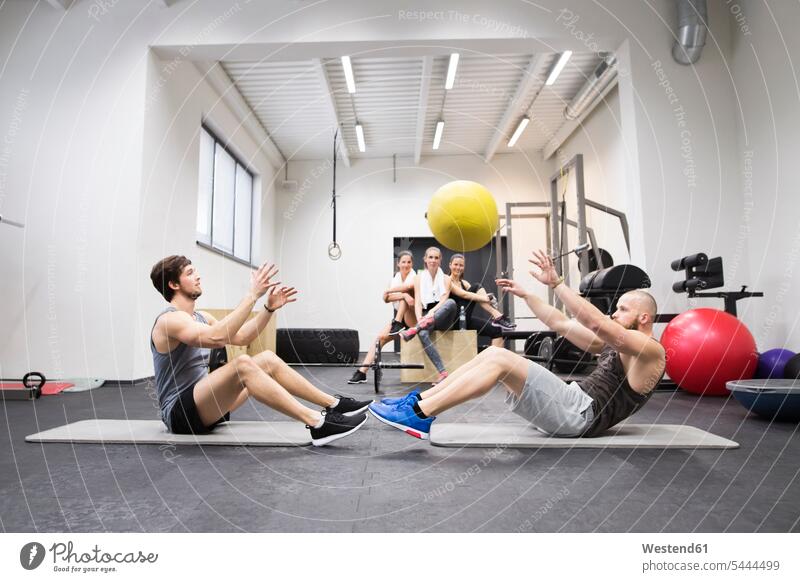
(404, 418)
(412, 397)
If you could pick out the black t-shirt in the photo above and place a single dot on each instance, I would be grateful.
(614, 399)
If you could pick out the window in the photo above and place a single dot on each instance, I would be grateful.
(224, 201)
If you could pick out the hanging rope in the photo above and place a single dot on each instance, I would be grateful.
(334, 250)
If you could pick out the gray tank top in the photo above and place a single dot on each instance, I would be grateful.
(613, 398)
(178, 370)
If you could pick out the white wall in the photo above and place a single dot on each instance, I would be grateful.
(74, 90)
(71, 111)
(766, 52)
(178, 98)
(599, 140)
(679, 129)
(371, 211)
(708, 154)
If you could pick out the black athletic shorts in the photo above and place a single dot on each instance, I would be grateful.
(185, 419)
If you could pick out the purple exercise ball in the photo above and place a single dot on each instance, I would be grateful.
(772, 362)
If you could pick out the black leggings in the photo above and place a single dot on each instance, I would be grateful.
(477, 318)
(443, 319)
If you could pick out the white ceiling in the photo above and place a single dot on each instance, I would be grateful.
(299, 102)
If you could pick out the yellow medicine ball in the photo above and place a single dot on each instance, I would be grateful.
(462, 215)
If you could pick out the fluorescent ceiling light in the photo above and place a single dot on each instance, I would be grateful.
(348, 74)
(451, 71)
(523, 123)
(362, 147)
(437, 137)
(562, 61)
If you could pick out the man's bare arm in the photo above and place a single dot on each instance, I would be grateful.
(181, 326)
(626, 341)
(254, 326)
(572, 330)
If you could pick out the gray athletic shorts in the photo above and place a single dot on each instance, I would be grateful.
(551, 405)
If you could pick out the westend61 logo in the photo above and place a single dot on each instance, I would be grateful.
(66, 559)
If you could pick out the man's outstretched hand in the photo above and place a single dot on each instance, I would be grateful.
(277, 298)
(545, 272)
(260, 280)
(512, 287)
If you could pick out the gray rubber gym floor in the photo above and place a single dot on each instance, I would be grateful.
(382, 480)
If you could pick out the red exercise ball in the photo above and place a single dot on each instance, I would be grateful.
(706, 348)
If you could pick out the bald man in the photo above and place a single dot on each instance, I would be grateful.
(630, 365)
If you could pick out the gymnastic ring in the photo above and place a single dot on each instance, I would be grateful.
(334, 251)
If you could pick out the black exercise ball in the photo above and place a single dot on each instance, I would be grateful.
(792, 369)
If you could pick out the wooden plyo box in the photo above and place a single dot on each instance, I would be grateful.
(455, 347)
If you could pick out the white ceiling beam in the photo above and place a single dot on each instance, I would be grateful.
(508, 122)
(230, 95)
(327, 90)
(60, 4)
(281, 51)
(568, 127)
(422, 108)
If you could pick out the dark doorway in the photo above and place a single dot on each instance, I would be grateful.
(481, 265)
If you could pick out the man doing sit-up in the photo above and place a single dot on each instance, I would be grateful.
(192, 401)
(630, 365)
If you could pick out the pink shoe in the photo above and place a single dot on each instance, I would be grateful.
(442, 376)
(408, 334)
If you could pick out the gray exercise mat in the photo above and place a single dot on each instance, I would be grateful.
(624, 436)
(153, 432)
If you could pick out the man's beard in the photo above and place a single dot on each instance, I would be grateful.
(634, 326)
(194, 296)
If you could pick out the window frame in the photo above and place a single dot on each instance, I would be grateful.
(237, 163)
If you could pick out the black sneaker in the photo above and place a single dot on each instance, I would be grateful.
(504, 323)
(359, 377)
(350, 406)
(397, 327)
(335, 426)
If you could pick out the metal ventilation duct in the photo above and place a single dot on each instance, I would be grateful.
(597, 81)
(692, 29)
